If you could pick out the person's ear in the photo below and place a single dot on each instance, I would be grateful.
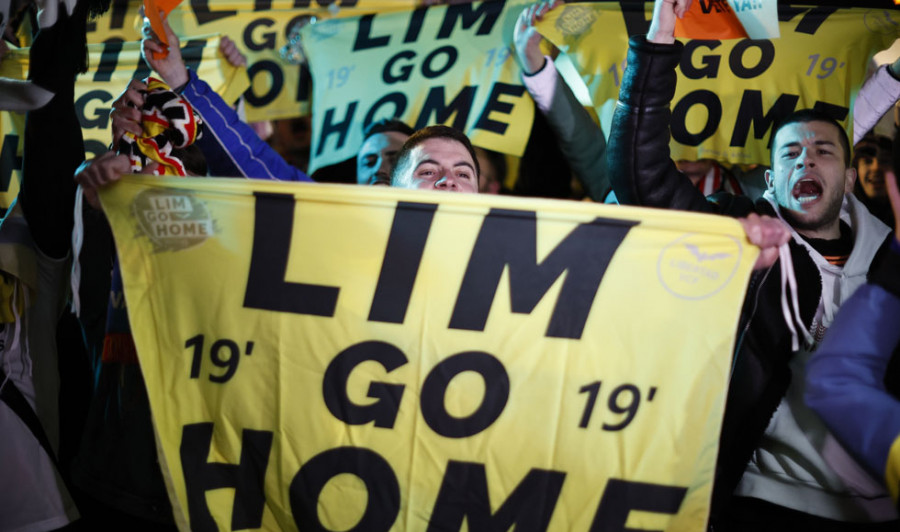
(770, 181)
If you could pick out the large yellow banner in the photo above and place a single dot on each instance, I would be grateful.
(364, 358)
(260, 29)
(441, 65)
(730, 93)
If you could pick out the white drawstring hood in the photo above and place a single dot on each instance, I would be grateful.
(798, 463)
(77, 242)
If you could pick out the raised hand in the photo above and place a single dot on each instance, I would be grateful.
(170, 68)
(100, 172)
(527, 40)
(662, 27)
(126, 114)
(231, 52)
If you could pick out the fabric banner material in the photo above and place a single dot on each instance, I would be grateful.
(730, 93)
(259, 28)
(369, 358)
(11, 126)
(439, 65)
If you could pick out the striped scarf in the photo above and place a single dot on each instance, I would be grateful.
(169, 123)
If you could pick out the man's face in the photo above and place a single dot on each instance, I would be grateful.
(872, 163)
(439, 164)
(808, 177)
(377, 156)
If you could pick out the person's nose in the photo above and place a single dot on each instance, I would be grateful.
(806, 159)
(385, 167)
(447, 182)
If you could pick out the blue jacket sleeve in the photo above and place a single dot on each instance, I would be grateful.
(231, 147)
(845, 378)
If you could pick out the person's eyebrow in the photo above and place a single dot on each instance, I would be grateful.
(426, 161)
(460, 163)
(797, 144)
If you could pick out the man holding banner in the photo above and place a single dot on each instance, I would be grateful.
(799, 478)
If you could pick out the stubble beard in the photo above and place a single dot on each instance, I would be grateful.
(829, 215)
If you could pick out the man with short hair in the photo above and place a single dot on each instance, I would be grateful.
(786, 470)
(377, 155)
(437, 158)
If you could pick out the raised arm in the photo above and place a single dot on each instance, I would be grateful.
(877, 95)
(640, 164)
(579, 138)
(231, 147)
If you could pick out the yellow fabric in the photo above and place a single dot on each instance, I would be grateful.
(11, 144)
(152, 9)
(12, 300)
(14, 66)
(892, 472)
(447, 65)
(811, 64)
(661, 323)
(259, 34)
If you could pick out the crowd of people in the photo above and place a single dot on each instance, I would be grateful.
(811, 417)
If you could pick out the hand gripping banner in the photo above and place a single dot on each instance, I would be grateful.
(364, 358)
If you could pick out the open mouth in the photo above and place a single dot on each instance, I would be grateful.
(807, 190)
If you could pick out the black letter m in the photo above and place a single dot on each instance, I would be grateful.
(509, 238)
(464, 497)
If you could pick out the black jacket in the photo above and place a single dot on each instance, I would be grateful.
(643, 173)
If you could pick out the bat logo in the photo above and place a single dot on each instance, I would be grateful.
(703, 257)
